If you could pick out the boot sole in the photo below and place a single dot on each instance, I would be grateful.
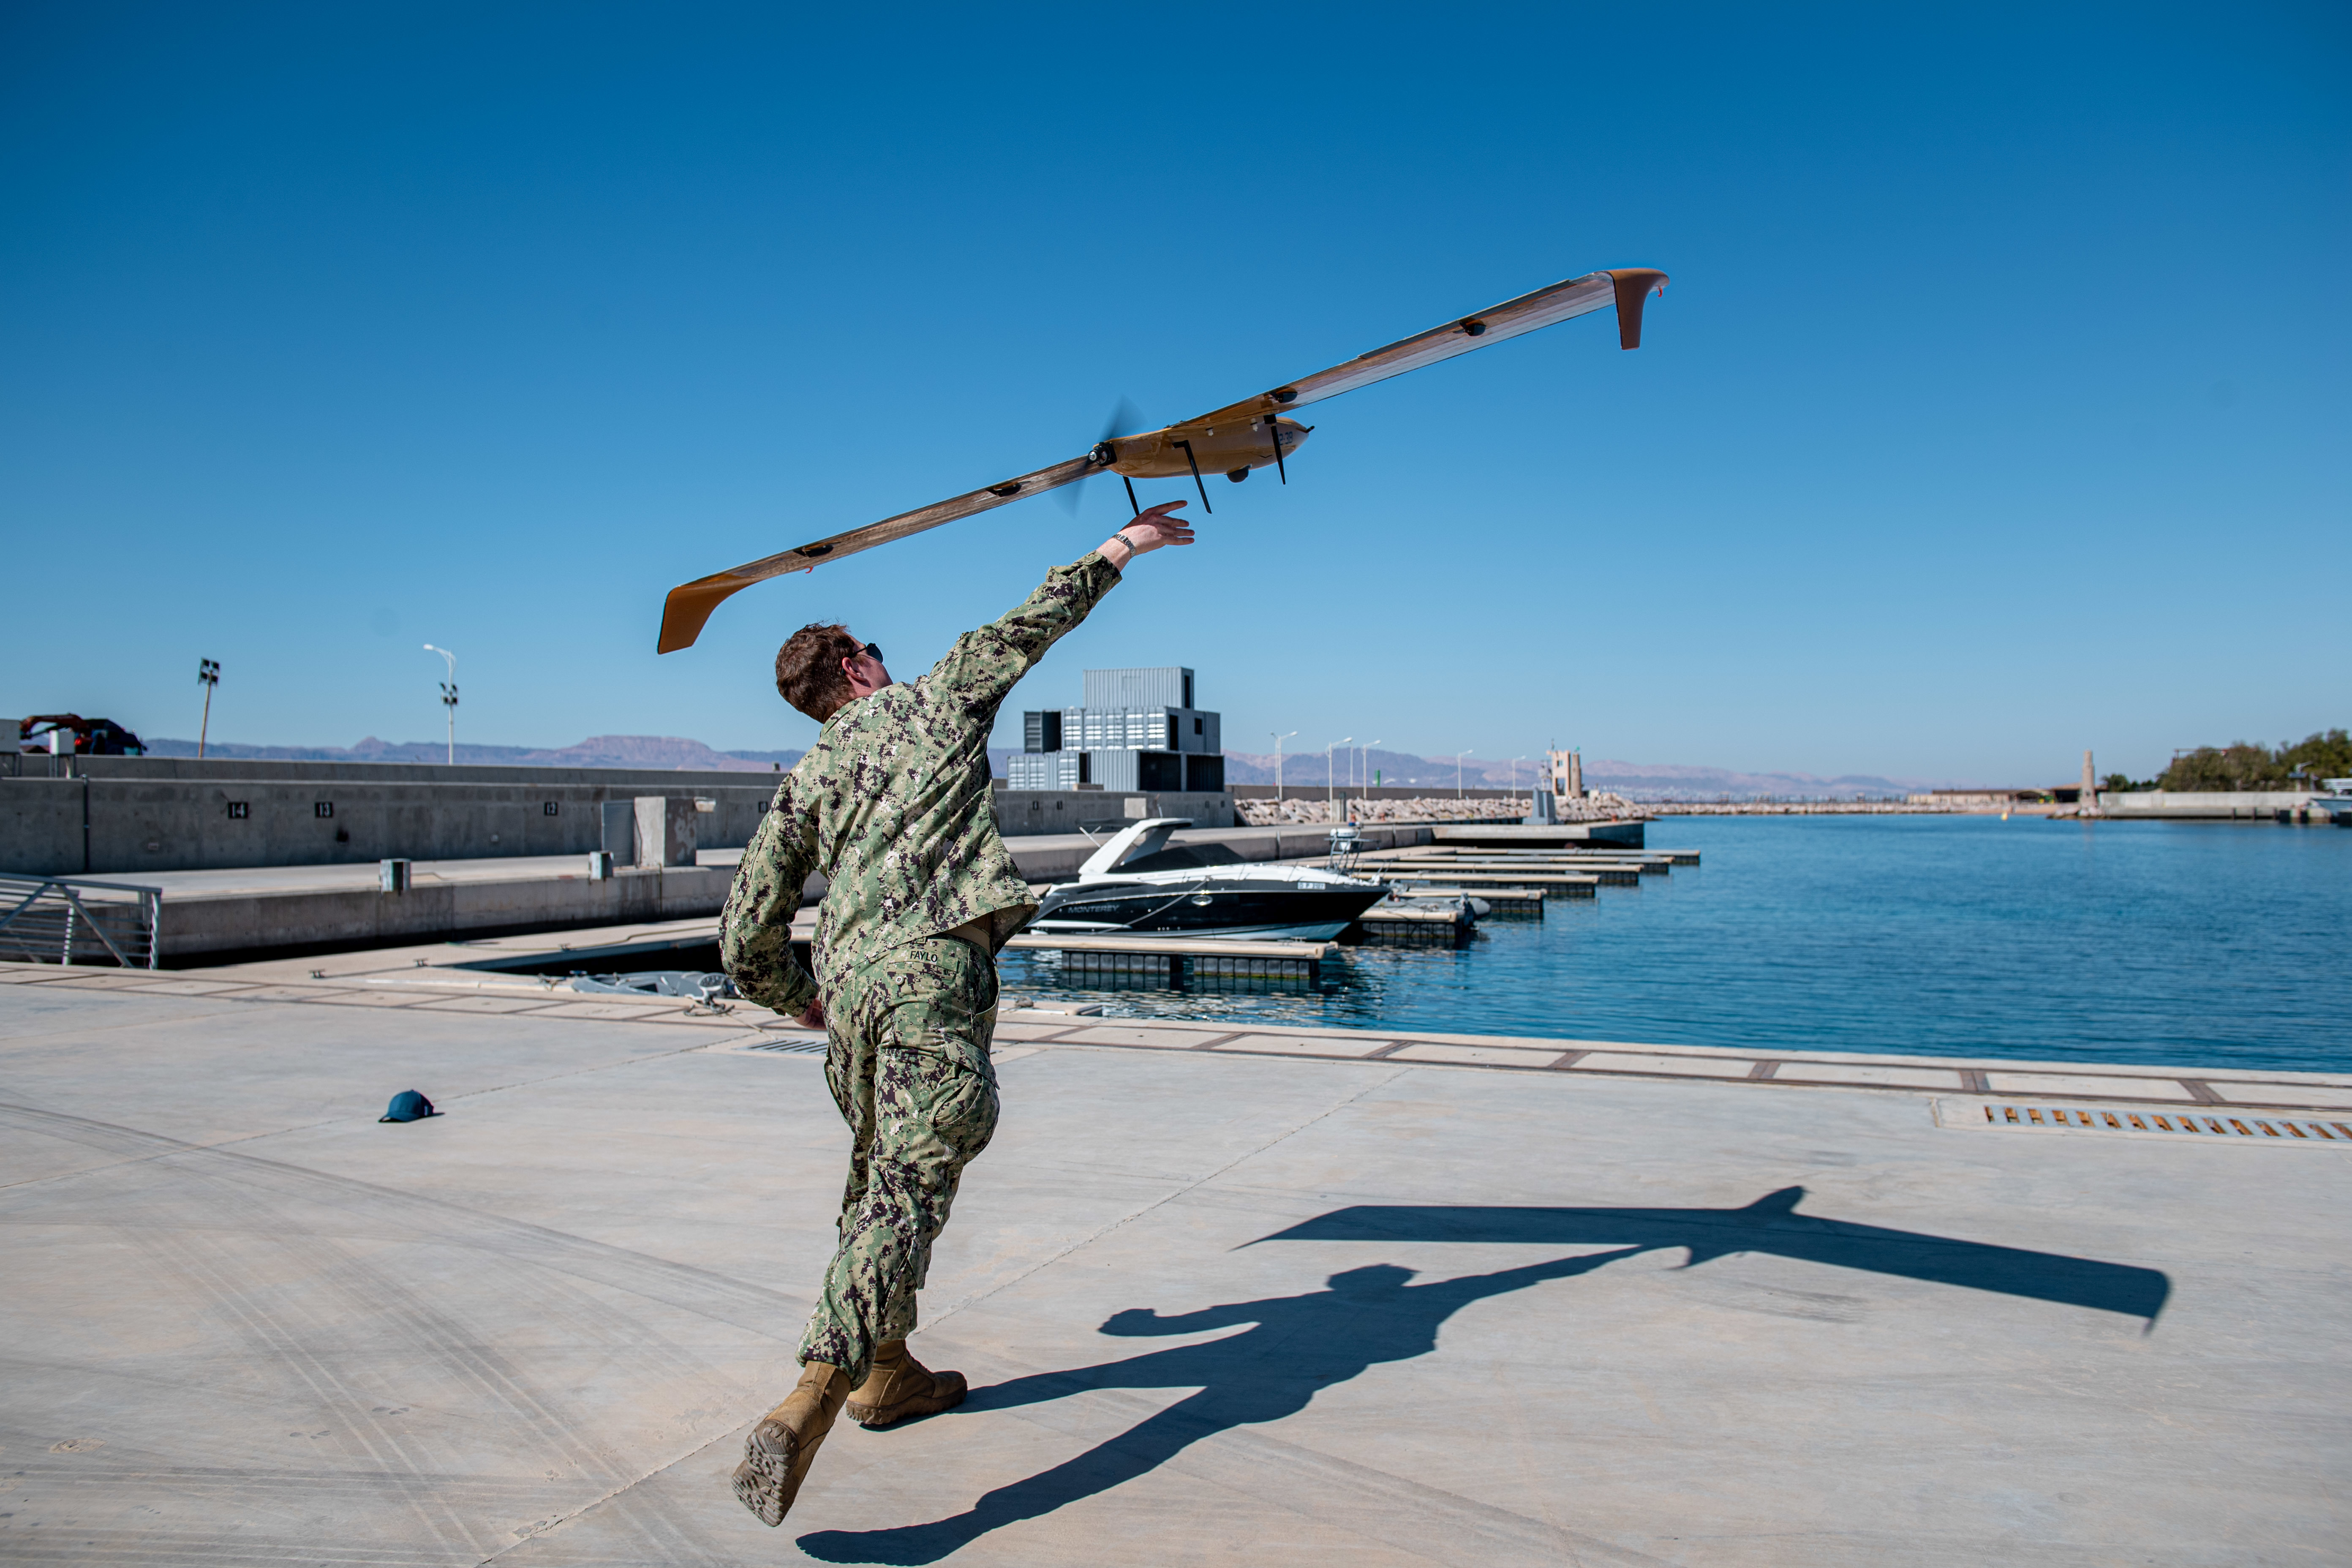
(768, 1483)
(874, 1417)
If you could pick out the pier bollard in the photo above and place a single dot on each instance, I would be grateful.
(599, 865)
(391, 876)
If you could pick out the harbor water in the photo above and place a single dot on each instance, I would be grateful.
(2195, 944)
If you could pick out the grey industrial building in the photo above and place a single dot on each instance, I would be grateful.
(1137, 729)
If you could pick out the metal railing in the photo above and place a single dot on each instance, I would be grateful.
(69, 919)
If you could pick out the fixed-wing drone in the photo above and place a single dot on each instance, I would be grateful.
(1231, 440)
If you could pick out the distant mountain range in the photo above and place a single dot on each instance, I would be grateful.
(1637, 780)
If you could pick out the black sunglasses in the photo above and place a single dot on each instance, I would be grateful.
(871, 651)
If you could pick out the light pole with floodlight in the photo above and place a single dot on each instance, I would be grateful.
(1457, 771)
(1278, 739)
(209, 676)
(1331, 780)
(449, 698)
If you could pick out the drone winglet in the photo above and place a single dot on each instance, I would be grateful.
(1635, 287)
(689, 605)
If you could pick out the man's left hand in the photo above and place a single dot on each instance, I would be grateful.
(1151, 528)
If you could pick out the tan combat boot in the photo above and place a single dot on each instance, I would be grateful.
(777, 1455)
(899, 1386)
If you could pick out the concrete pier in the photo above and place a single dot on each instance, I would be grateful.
(253, 909)
(1225, 1295)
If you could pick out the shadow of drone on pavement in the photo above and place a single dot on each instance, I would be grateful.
(1299, 1345)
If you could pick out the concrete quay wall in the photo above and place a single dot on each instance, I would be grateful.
(1021, 812)
(103, 826)
(105, 817)
(212, 770)
(261, 920)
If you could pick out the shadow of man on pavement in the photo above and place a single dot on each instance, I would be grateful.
(1299, 1346)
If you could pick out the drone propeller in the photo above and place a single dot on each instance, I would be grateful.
(1126, 419)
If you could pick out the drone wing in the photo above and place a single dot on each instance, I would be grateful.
(1626, 288)
(690, 603)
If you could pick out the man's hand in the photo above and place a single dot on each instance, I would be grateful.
(812, 1015)
(1152, 527)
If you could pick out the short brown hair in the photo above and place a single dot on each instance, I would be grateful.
(808, 668)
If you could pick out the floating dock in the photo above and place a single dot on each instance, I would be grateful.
(1498, 900)
(1417, 923)
(1520, 835)
(1175, 961)
(1558, 884)
(1600, 874)
(1562, 852)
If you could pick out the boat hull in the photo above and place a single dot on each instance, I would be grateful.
(1253, 909)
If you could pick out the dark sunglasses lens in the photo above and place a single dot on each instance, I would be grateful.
(872, 651)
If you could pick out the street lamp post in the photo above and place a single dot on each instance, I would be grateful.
(1331, 780)
(1278, 739)
(1364, 769)
(449, 697)
(1457, 771)
(209, 676)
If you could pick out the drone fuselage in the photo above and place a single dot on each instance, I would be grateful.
(1229, 447)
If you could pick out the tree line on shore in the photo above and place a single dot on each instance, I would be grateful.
(2251, 765)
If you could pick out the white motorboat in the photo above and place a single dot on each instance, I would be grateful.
(1137, 882)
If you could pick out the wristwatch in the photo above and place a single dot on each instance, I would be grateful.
(1133, 548)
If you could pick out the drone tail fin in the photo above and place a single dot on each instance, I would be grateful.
(1634, 286)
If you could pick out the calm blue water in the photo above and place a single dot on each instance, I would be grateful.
(2207, 944)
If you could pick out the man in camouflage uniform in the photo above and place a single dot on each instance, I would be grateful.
(892, 807)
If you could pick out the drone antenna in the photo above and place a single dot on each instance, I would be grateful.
(1275, 432)
(1195, 467)
(1130, 494)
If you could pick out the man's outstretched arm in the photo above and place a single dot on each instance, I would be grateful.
(984, 664)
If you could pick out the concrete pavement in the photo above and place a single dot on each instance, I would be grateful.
(1216, 1305)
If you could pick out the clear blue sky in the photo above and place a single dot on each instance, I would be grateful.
(1998, 408)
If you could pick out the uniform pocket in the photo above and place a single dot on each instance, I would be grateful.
(962, 1111)
(938, 1083)
(936, 1068)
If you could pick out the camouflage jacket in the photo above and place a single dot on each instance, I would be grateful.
(892, 806)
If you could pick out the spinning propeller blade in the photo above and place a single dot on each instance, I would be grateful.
(1126, 419)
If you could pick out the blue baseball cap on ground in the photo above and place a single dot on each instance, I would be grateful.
(408, 1106)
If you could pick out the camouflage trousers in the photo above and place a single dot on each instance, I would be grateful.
(907, 1059)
